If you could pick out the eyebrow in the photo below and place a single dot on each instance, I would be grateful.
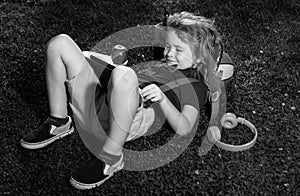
(177, 46)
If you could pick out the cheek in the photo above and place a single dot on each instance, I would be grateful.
(186, 59)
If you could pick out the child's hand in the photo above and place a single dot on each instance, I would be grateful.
(153, 93)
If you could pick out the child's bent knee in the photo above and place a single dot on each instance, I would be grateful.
(123, 76)
(58, 42)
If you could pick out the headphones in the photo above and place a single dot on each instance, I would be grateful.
(229, 121)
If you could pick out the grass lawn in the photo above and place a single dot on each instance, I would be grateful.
(262, 37)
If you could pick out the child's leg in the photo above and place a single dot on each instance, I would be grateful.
(123, 103)
(64, 60)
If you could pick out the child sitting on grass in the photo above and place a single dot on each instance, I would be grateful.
(191, 51)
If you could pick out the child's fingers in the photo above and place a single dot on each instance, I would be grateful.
(149, 97)
(148, 87)
(146, 93)
(147, 90)
(151, 92)
(154, 97)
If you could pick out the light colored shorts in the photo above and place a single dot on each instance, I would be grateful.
(91, 113)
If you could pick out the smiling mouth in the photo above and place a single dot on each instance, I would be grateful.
(174, 65)
(171, 63)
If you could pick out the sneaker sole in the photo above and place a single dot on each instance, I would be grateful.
(42, 144)
(83, 186)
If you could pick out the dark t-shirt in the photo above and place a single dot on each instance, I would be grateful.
(193, 93)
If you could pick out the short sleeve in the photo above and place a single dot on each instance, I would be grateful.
(194, 94)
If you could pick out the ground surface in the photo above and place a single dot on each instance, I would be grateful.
(261, 36)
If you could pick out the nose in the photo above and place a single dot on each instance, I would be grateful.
(168, 52)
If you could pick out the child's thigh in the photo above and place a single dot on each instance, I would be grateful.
(70, 53)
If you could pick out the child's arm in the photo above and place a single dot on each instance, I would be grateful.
(181, 122)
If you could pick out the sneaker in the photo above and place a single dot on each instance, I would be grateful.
(46, 134)
(95, 173)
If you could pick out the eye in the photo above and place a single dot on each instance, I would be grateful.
(179, 49)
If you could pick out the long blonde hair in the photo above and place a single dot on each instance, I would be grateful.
(202, 36)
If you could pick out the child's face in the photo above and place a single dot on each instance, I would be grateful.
(177, 52)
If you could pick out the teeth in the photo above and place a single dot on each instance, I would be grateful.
(170, 62)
